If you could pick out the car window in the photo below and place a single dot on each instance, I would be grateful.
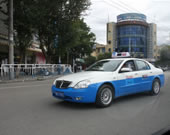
(105, 65)
(142, 65)
(129, 64)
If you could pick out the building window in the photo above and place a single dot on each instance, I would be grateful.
(103, 50)
(109, 42)
(132, 38)
(132, 30)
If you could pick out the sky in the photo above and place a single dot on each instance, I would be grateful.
(103, 11)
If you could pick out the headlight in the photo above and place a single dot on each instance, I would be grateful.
(54, 83)
(82, 84)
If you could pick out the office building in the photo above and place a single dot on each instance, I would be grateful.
(132, 33)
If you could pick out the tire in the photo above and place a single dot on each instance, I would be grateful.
(155, 87)
(104, 96)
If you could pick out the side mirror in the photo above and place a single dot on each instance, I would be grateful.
(125, 70)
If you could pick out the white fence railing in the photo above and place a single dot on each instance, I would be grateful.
(33, 70)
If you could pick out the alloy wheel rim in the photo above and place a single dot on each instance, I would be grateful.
(156, 87)
(106, 96)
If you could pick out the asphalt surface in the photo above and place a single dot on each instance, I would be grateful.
(27, 108)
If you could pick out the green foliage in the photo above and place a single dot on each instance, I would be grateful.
(82, 46)
(58, 18)
(162, 63)
(164, 57)
(104, 56)
(47, 19)
(165, 53)
(90, 60)
(22, 24)
(22, 27)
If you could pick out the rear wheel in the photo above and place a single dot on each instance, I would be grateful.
(104, 96)
(155, 87)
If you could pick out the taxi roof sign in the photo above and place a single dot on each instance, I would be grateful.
(120, 55)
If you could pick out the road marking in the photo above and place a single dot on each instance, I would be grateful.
(23, 86)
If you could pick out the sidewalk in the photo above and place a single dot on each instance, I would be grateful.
(29, 78)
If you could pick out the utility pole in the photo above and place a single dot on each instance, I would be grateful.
(11, 39)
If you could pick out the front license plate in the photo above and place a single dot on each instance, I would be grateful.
(59, 94)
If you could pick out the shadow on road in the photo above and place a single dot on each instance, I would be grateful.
(85, 106)
(72, 105)
(129, 98)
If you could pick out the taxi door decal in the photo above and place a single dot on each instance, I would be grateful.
(144, 76)
(129, 80)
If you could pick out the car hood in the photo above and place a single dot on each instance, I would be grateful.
(93, 76)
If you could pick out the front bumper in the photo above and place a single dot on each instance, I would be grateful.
(86, 95)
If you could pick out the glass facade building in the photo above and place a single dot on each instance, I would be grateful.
(132, 38)
(132, 34)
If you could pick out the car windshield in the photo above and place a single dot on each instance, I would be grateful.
(105, 65)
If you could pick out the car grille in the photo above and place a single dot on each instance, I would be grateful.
(62, 84)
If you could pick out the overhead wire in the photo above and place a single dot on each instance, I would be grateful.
(134, 9)
(131, 8)
(122, 6)
(111, 4)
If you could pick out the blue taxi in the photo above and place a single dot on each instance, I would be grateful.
(108, 79)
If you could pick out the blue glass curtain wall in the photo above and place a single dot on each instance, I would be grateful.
(132, 38)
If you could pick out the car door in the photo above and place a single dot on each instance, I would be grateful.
(144, 75)
(127, 80)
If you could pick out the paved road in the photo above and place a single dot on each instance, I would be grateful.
(28, 108)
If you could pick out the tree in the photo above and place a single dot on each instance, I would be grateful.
(90, 60)
(83, 44)
(104, 56)
(165, 53)
(164, 56)
(23, 31)
(54, 23)
(56, 18)
(22, 24)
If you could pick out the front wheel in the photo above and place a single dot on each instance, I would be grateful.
(155, 87)
(104, 96)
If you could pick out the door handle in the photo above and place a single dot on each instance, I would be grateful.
(136, 73)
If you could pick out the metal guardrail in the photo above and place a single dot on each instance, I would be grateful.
(33, 70)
